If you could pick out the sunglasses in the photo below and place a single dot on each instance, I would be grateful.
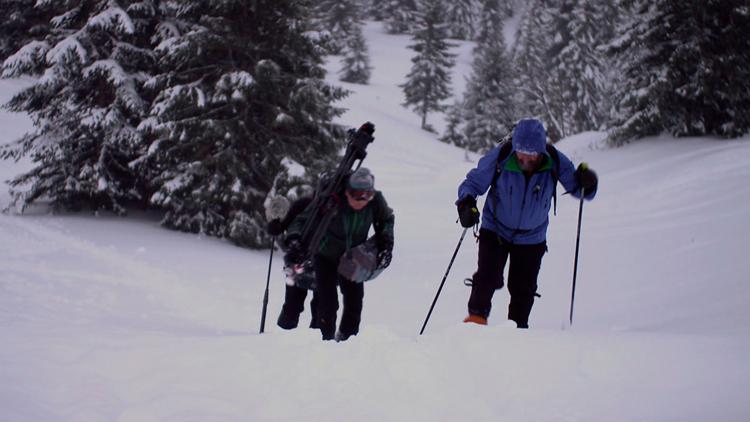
(360, 195)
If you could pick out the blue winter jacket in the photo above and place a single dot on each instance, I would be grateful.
(517, 209)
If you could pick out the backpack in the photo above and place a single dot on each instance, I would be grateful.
(506, 148)
(360, 264)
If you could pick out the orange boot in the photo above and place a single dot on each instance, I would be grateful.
(476, 319)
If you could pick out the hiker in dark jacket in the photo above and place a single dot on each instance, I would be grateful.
(359, 207)
(514, 224)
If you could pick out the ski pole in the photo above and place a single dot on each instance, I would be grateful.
(443, 282)
(575, 262)
(268, 280)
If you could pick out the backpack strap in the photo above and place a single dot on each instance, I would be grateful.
(552, 151)
(505, 148)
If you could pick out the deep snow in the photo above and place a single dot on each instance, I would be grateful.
(112, 319)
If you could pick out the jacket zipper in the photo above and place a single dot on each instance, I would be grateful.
(347, 230)
(523, 201)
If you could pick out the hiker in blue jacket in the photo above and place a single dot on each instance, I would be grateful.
(521, 179)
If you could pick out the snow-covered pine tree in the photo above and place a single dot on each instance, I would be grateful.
(341, 19)
(453, 134)
(318, 31)
(460, 18)
(376, 9)
(85, 107)
(710, 96)
(490, 21)
(686, 69)
(609, 16)
(557, 88)
(577, 68)
(356, 62)
(242, 113)
(508, 8)
(428, 81)
(530, 61)
(490, 104)
(24, 21)
(727, 89)
(400, 16)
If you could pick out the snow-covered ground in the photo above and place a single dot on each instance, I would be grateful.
(112, 319)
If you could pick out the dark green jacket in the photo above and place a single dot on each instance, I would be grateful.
(349, 228)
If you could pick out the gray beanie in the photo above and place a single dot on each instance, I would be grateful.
(362, 179)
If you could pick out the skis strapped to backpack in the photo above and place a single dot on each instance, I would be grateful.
(325, 201)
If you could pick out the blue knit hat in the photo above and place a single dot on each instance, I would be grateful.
(362, 179)
(529, 137)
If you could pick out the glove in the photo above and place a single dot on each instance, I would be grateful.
(468, 213)
(294, 253)
(275, 227)
(384, 259)
(368, 128)
(586, 177)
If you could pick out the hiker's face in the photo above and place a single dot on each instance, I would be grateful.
(358, 199)
(528, 162)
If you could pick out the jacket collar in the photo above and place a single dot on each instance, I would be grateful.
(511, 164)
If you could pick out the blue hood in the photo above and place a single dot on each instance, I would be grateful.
(529, 136)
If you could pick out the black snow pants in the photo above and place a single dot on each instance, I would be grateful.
(327, 277)
(294, 304)
(525, 261)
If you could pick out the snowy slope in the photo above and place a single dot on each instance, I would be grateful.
(110, 319)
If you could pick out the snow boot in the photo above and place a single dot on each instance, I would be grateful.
(476, 319)
(287, 320)
(342, 336)
(314, 318)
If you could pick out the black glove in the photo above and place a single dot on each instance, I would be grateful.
(384, 259)
(275, 227)
(468, 213)
(586, 177)
(368, 128)
(294, 253)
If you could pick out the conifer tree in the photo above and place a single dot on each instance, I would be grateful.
(490, 22)
(242, 112)
(491, 108)
(453, 134)
(727, 86)
(376, 9)
(460, 18)
(341, 19)
(555, 107)
(356, 62)
(577, 68)
(428, 82)
(24, 21)
(401, 16)
(609, 16)
(710, 96)
(530, 59)
(666, 88)
(85, 107)
(508, 7)
(529, 47)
